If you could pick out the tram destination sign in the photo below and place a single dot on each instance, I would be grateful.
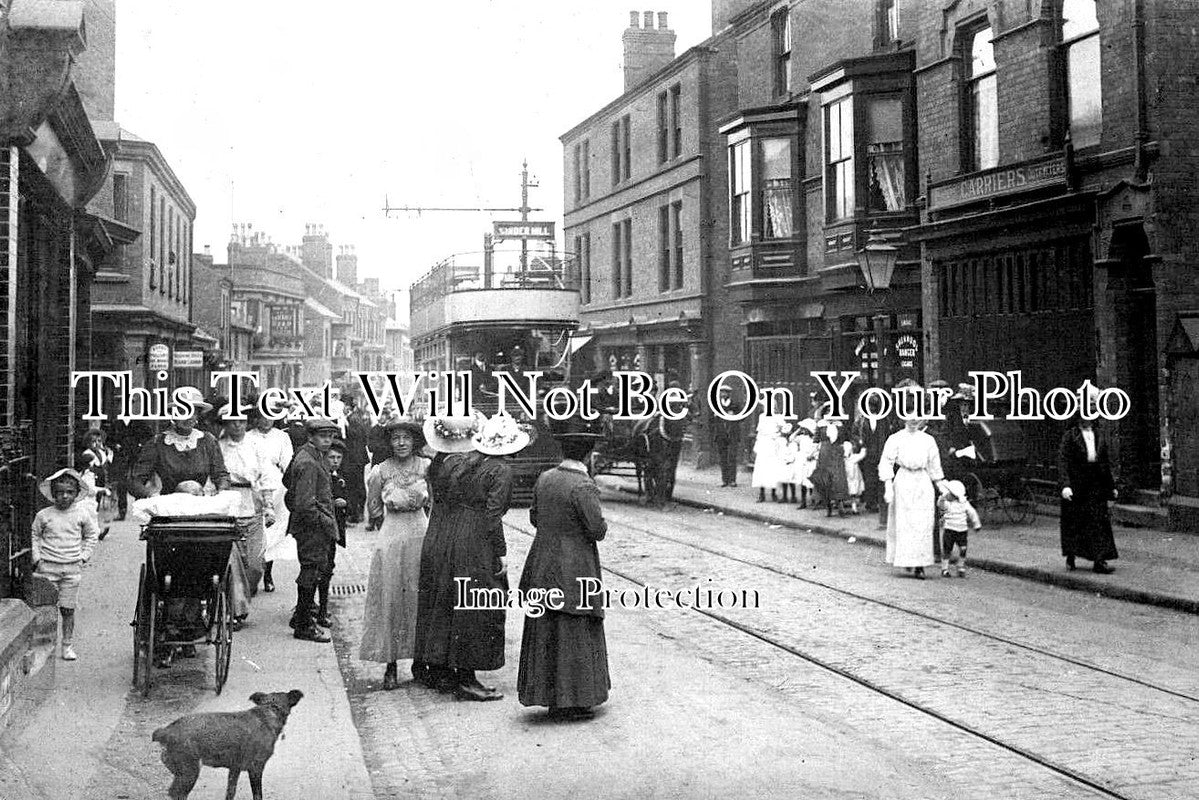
(524, 230)
(998, 182)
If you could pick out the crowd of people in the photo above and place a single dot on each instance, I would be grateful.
(434, 493)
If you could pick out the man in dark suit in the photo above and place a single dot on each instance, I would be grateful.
(728, 437)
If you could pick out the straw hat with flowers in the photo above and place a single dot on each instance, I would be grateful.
(501, 436)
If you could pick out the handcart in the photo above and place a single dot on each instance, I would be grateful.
(187, 564)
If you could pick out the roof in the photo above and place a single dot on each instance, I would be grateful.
(319, 309)
(137, 146)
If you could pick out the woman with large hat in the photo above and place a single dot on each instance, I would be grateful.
(396, 495)
(472, 488)
(276, 446)
(563, 654)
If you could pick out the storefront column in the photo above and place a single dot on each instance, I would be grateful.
(701, 414)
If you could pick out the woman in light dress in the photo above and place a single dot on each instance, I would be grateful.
(276, 446)
(770, 467)
(249, 476)
(909, 468)
(396, 496)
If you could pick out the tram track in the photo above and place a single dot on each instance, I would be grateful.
(1047, 762)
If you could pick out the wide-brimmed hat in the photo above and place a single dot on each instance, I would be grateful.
(808, 425)
(576, 428)
(414, 429)
(501, 436)
(193, 395)
(957, 489)
(451, 434)
(965, 392)
(66, 472)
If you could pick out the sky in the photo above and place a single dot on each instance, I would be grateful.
(281, 114)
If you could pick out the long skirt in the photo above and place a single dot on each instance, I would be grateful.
(910, 520)
(277, 545)
(389, 630)
(1086, 523)
(563, 661)
(245, 562)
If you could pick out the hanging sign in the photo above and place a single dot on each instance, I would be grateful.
(189, 359)
(907, 347)
(160, 357)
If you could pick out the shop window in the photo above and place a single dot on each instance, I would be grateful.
(981, 101)
(781, 28)
(885, 154)
(740, 205)
(1082, 83)
(839, 173)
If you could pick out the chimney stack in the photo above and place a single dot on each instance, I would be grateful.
(347, 266)
(646, 49)
(316, 252)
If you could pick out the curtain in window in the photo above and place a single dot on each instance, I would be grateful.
(886, 182)
(778, 208)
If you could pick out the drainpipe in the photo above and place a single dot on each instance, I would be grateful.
(1138, 52)
(72, 334)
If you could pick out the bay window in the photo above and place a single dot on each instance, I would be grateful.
(885, 154)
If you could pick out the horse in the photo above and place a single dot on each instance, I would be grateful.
(658, 442)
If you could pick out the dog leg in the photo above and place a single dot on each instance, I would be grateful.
(231, 790)
(186, 774)
(256, 781)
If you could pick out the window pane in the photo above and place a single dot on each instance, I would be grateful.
(1078, 18)
(776, 159)
(982, 53)
(1083, 88)
(740, 212)
(886, 120)
(776, 188)
(843, 193)
(986, 123)
(846, 108)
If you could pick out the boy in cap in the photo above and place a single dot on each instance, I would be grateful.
(64, 536)
(341, 504)
(312, 522)
(957, 517)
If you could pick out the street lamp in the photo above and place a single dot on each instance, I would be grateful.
(877, 261)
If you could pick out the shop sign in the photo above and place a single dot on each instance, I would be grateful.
(867, 353)
(524, 230)
(998, 182)
(189, 359)
(160, 357)
(283, 322)
(908, 347)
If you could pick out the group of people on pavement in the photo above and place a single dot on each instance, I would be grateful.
(910, 471)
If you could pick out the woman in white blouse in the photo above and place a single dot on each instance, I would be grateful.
(276, 446)
(249, 476)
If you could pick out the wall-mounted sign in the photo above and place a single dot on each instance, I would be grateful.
(524, 230)
(997, 182)
(283, 322)
(159, 357)
(908, 347)
(188, 359)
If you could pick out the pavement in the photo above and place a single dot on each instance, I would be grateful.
(1155, 567)
(91, 737)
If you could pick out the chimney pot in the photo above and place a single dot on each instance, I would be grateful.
(634, 19)
(649, 21)
(207, 249)
(662, 21)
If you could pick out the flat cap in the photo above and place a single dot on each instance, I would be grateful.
(319, 424)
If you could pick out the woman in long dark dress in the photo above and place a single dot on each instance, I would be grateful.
(1085, 474)
(563, 654)
(465, 540)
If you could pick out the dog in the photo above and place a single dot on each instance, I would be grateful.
(236, 741)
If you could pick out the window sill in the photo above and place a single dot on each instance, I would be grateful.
(111, 277)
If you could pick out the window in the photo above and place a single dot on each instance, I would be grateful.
(781, 28)
(586, 169)
(676, 118)
(982, 102)
(162, 245)
(740, 184)
(664, 248)
(617, 255)
(628, 257)
(776, 188)
(663, 127)
(153, 235)
(676, 209)
(578, 153)
(839, 177)
(1080, 45)
(120, 197)
(626, 126)
(583, 254)
(169, 242)
(617, 150)
(886, 24)
(884, 154)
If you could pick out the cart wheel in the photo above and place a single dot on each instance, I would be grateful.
(142, 655)
(222, 620)
(1022, 506)
(150, 640)
(976, 495)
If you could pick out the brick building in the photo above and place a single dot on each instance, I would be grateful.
(214, 312)
(1058, 141)
(645, 212)
(268, 291)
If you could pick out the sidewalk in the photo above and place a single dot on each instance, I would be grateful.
(91, 736)
(1155, 567)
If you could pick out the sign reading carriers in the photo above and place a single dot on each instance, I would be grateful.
(997, 182)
